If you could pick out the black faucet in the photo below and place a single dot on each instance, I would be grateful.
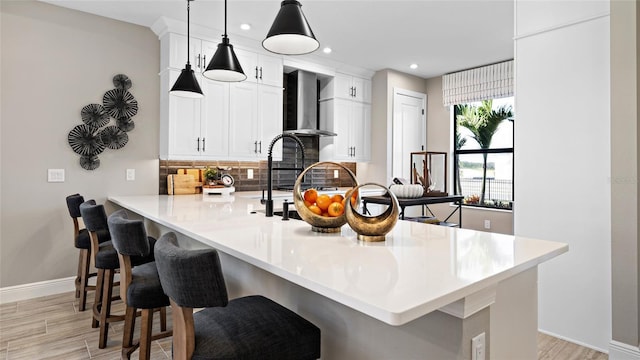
(270, 169)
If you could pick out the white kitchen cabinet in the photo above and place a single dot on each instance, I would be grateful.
(200, 52)
(351, 121)
(347, 87)
(194, 128)
(255, 118)
(260, 68)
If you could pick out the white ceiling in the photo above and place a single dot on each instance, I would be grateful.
(439, 36)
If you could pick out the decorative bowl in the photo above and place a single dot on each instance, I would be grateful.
(320, 223)
(373, 228)
(407, 191)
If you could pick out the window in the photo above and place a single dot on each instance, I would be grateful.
(483, 153)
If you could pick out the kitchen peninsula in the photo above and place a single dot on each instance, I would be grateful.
(423, 293)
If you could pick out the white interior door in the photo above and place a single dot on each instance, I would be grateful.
(409, 130)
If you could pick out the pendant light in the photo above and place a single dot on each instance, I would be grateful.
(187, 85)
(224, 65)
(290, 33)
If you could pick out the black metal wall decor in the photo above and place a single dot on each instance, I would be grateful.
(91, 138)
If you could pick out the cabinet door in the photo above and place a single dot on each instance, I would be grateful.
(362, 90)
(342, 126)
(361, 131)
(270, 70)
(214, 124)
(207, 49)
(270, 119)
(184, 124)
(243, 120)
(249, 62)
(343, 86)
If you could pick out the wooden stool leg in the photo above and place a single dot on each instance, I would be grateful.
(97, 301)
(127, 336)
(79, 274)
(105, 308)
(146, 327)
(163, 318)
(84, 279)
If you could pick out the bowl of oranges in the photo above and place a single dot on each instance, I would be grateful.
(324, 212)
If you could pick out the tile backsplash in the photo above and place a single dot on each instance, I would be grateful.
(320, 176)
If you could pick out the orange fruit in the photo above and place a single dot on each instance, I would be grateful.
(325, 214)
(307, 204)
(310, 195)
(323, 201)
(337, 198)
(335, 209)
(315, 209)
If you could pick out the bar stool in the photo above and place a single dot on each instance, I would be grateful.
(105, 259)
(82, 241)
(251, 327)
(139, 285)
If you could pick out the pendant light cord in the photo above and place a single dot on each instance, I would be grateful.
(225, 18)
(188, 37)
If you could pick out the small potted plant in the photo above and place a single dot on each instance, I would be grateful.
(210, 175)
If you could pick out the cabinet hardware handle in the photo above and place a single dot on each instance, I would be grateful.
(256, 72)
(355, 94)
(198, 141)
(354, 151)
(203, 148)
(198, 63)
(350, 94)
(261, 75)
(260, 144)
(204, 61)
(255, 147)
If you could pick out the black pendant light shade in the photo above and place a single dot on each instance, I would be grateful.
(290, 33)
(224, 65)
(187, 85)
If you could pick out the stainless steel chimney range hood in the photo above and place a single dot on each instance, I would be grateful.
(301, 113)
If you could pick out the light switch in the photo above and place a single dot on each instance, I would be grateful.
(336, 174)
(131, 174)
(249, 174)
(55, 175)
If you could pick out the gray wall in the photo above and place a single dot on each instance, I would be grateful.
(54, 62)
(625, 265)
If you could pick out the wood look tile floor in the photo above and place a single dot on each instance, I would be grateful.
(51, 327)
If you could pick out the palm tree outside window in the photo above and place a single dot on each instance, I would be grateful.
(483, 153)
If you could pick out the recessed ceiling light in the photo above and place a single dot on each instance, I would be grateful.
(245, 26)
(413, 66)
(327, 50)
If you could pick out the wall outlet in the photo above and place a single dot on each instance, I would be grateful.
(478, 347)
(487, 224)
(55, 175)
(249, 174)
(131, 174)
(336, 174)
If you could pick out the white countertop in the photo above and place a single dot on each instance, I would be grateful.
(418, 269)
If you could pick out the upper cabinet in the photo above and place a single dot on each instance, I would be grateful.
(260, 68)
(349, 87)
(192, 129)
(200, 52)
(234, 121)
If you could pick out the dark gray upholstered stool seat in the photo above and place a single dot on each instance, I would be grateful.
(252, 327)
(82, 242)
(140, 286)
(105, 259)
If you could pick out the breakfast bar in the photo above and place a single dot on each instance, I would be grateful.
(422, 293)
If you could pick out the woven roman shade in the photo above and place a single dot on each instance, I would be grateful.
(482, 83)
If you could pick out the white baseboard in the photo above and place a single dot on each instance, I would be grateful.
(38, 289)
(622, 351)
(606, 351)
